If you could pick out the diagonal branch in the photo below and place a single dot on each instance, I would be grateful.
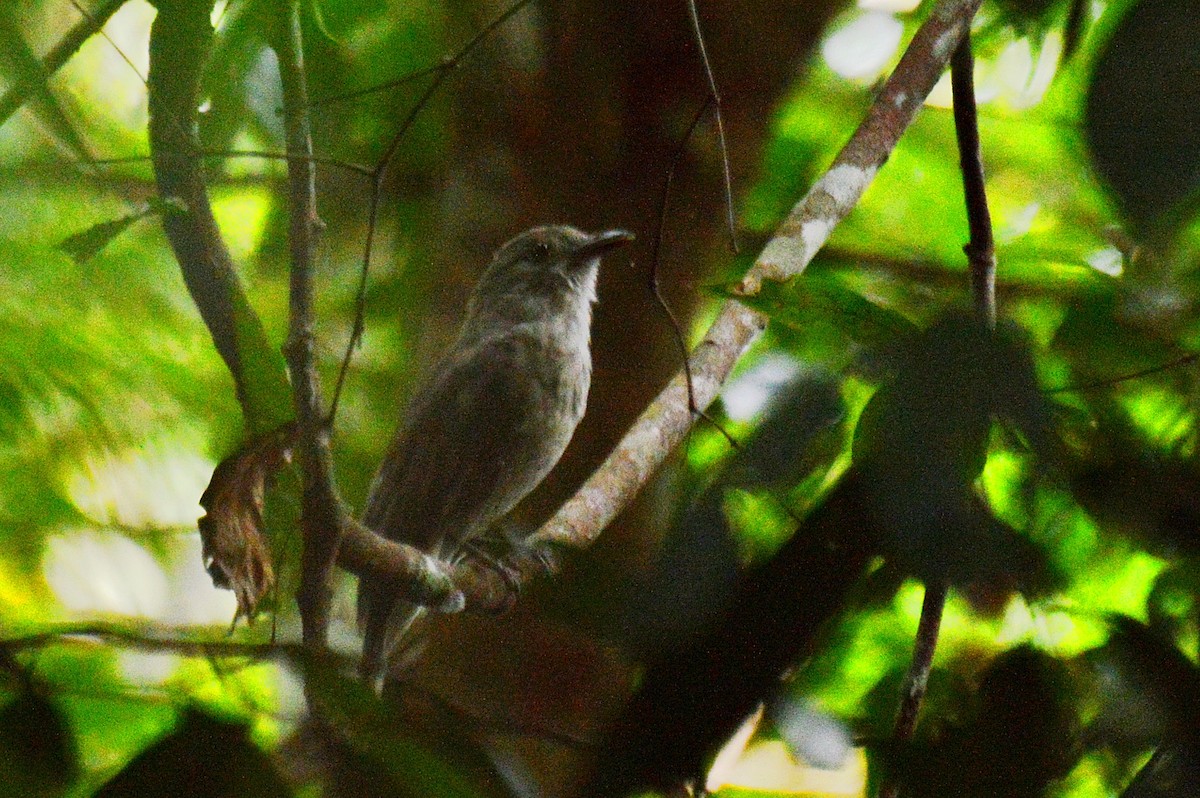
(786, 255)
(180, 42)
(67, 46)
(663, 425)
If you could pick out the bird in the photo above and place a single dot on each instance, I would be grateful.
(492, 420)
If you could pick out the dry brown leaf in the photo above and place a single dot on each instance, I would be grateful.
(236, 553)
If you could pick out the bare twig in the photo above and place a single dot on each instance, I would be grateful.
(265, 155)
(656, 249)
(79, 33)
(148, 637)
(917, 678)
(380, 87)
(321, 508)
(1182, 360)
(379, 175)
(656, 261)
(99, 28)
(981, 249)
(715, 97)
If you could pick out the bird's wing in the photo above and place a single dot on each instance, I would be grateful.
(450, 472)
(445, 474)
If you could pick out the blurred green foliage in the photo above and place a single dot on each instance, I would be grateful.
(1055, 493)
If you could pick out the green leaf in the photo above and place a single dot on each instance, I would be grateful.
(38, 755)
(206, 757)
(816, 300)
(375, 732)
(1143, 112)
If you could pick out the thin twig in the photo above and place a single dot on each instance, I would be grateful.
(67, 46)
(99, 28)
(320, 511)
(379, 87)
(148, 638)
(981, 249)
(379, 175)
(265, 155)
(656, 261)
(917, 678)
(1183, 360)
(715, 97)
(320, 160)
(981, 256)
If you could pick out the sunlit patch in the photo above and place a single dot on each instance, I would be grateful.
(1163, 415)
(103, 572)
(762, 523)
(193, 599)
(768, 765)
(1014, 76)
(16, 596)
(1121, 582)
(242, 215)
(1017, 622)
(1109, 260)
(746, 395)
(1089, 778)
(862, 48)
(1061, 632)
(1017, 223)
(100, 73)
(149, 488)
(147, 668)
(895, 6)
(735, 747)
(1001, 480)
(1044, 69)
(1048, 628)
(942, 94)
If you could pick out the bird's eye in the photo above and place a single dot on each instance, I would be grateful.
(539, 252)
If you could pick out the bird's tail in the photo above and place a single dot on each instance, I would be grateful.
(383, 619)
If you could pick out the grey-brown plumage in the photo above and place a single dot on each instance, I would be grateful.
(494, 418)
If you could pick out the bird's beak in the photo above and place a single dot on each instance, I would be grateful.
(600, 243)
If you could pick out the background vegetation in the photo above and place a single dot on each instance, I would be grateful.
(1047, 473)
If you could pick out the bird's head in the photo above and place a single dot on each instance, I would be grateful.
(544, 267)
